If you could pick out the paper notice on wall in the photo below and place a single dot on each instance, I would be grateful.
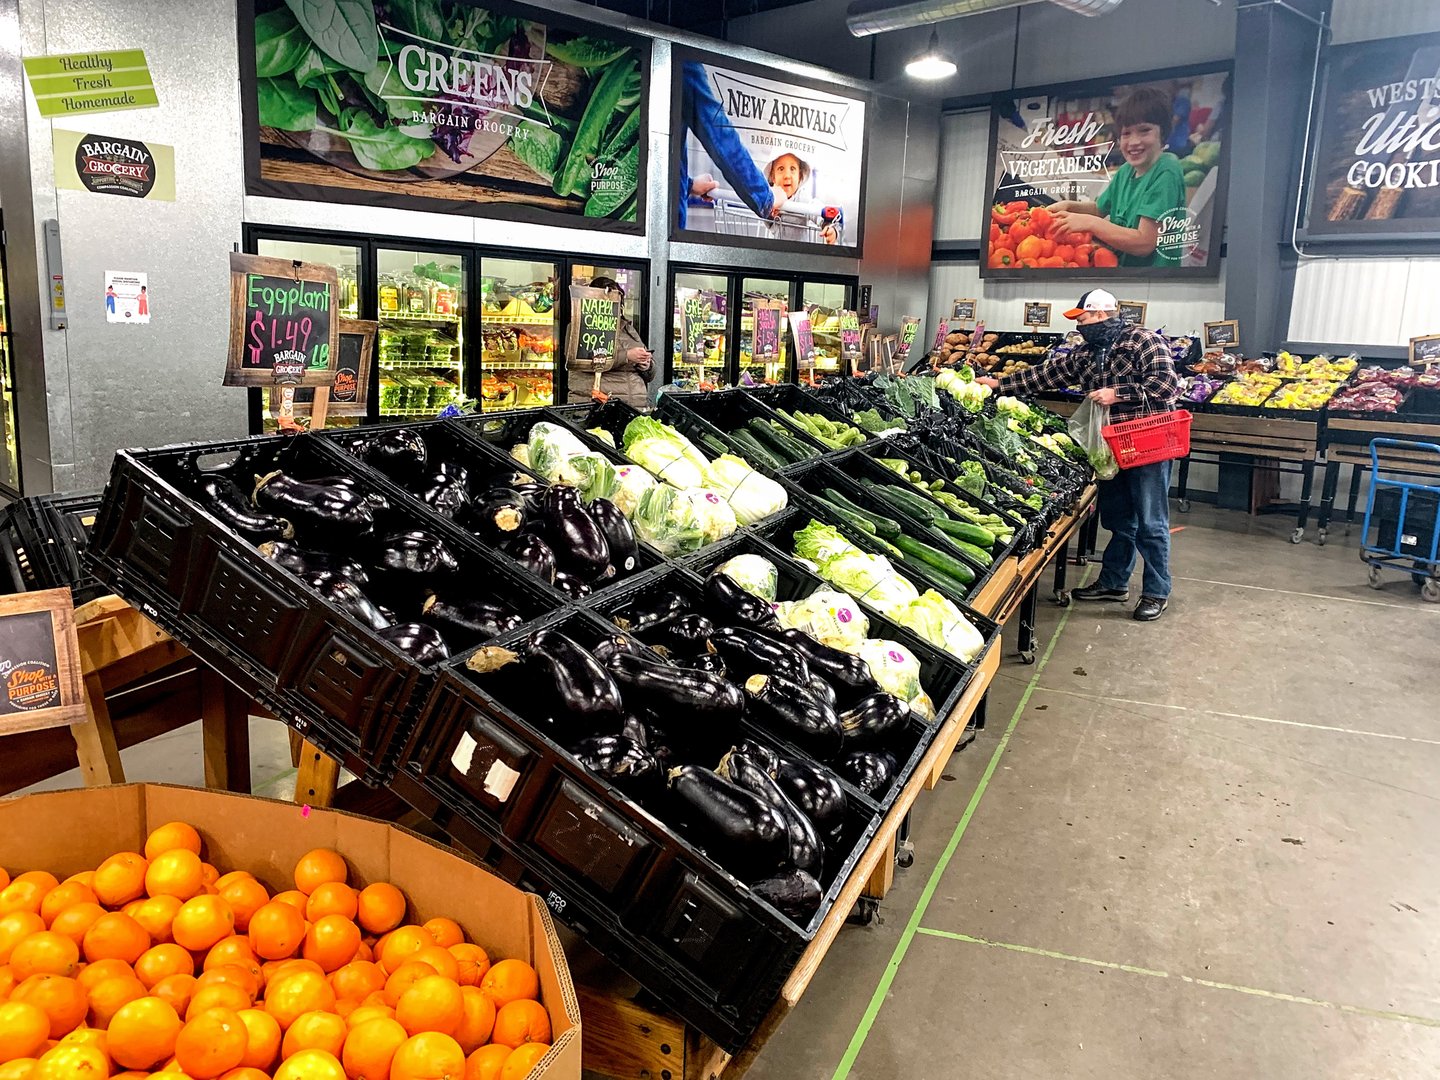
(127, 297)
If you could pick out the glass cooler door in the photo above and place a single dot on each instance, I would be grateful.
(824, 300)
(420, 305)
(710, 367)
(771, 369)
(9, 449)
(519, 334)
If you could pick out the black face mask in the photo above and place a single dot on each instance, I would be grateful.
(1101, 335)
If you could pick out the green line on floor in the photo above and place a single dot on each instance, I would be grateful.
(867, 1021)
(1273, 995)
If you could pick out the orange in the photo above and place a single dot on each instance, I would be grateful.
(276, 931)
(245, 897)
(446, 932)
(72, 1061)
(273, 969)
(58, 997)
(486, 1063)
(440, 959)
(428, 1056)
(110, 996)
(357, 979)
(365, 952)
(120, 879)
(159, 961)
(471, 964)
(85, 1036)
(370, 1047)
(176, 991)
(15, 927)
(142, 1034)
(217, 996)
(406, 976)
(85, 877)
(23, 1030)
(523, 1060)
(208, 873)
(156, 915)
(43, 878)
(380, 907)
(212, 1043)
(233, 875)
(92, 975)
(521, 1022)
(175, 873)
(247, 979)
(311, 1065)
(64, 896)
(4, 878)
(478, 1022)
(331, 942)
(510, 980)
(241, 1074)
(72, 922)
(433, 1003)
(115, 936)
(332, 898)
(234, 950)
(7, 982)
(317, 867)
(296, 993)
(44, 953)
(171, 836)
(18, 1069)
(294, 897)
(363, 1013)
(22, 896)
(201, 922)
(399, 945)
(315, 1031)
(262, 1042)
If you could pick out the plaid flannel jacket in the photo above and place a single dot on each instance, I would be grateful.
(1139, 367)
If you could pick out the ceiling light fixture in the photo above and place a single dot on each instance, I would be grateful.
(934, 63)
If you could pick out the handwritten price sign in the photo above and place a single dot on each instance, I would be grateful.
(283, 326)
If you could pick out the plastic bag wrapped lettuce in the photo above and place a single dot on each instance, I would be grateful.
(631, 484)
(715, 515)
(521, 453)
(870, 577)
(753, 573)
(937, 620)
(551, 447)
(665, 452)
(830, 617)
(897, 670)
(593, 475)
(668, 520)
(753, 497)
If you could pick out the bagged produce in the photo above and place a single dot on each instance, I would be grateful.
(895, 667)
(755, 574)
(665, 452)
(1086, 426)
(717, 519)
(936, 618)
(592, 474)
(831, 618)
(667, 520)
(752, 496)
(551, 447)
(631, 484)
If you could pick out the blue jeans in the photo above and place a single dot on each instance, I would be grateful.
(1135, 507)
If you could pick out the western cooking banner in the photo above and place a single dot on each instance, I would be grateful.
(766, 162)
(1376, 174)
(1109, 179)
(445, 105)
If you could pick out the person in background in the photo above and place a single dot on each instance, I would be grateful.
(1149, 185)
(1129, 369)
(631, 369)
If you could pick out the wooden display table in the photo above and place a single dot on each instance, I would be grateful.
(1268, 441)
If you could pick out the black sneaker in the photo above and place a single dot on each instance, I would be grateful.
(1095, 592)
(1149, 609)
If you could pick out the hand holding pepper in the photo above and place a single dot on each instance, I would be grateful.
(1067, 222)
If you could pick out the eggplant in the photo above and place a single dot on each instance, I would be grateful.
(870, 720)
(421, 643)
(399, 453)
(806, 850)
(469, 618)
(345, 594)
(761, 754)
(816, 791)
(738, 828)
(616, 644)
(576, 588)
(684, 635)
(823, 690)
(649, 612)
(848, 675)
(533, 554)
(729, 603)
(378, 503)
(789, 710)
(872, 771)
(577, 685)
(708, 661)
(416, 552)
(529, 489)
(671, 690)
(388, 614)
(228, 503)
(619, 536)
(499, 514)
(301, 562)
(636, 730)
(580, 546)
(794, 893)
(339, 513)
(748, 652)
(619, 759)
(445, 495)
(455, 471)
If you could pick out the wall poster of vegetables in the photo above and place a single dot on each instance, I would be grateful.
(444, 105)
(1113, 179)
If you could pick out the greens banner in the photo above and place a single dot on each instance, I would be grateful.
(445, 105)
(1376, 174)
(1109, 179)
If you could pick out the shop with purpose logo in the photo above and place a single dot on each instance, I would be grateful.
(30, 685)
(1179, 233)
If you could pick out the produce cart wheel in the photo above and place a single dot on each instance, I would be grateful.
(905, 855)
(865, 909)
(1184, 506)
(1297, 535)
(1374, 577)
(1430, 591)
(1320, 539)
(1027, 657)
(1061, 598)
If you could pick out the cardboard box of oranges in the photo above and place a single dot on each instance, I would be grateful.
(147, 929)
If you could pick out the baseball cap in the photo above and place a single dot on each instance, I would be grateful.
(1094, 300)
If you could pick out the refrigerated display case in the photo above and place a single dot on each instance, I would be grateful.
(824, 300)
(710, 368)
(774, 370)
(420, 298)
(10, 450)
(519, 331)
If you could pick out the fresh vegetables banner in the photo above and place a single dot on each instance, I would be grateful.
(1377, 168)
(766, 162)
(1123, 180)
(445, 105)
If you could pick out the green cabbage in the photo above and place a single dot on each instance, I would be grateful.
(941, 623)
(551, 448)
(753, 573)
(665, 452)
(753, 497)
(593, 475)
(872, 578)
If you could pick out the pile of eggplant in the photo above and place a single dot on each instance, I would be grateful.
(678, 708)
(549, 531)
(359, 554)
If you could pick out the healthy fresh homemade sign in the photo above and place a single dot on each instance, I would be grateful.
(77, 84)
(504, 116)
(283, 323)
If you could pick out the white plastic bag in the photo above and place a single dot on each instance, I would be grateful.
(1085, 428)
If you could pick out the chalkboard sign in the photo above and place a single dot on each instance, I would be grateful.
(1037, 314)
(962, 311)
(804, 336)
(1222, 335)
(39, 662)
(284, 326)
(941, 333)
(1425, 350)
(849, 335)
(765, 331)
(1132, 312)
(863, 304)
(594, 325)
(352, 367)
(694, 315)
(909, 327)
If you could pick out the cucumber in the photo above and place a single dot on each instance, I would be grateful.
(714, 445)
(767, 436)
(864, 524)
(945, 585)
(951, 567)
(970, 534)
(754, 452)
(798, 449)
(889, 528)
(919, 508)
(970, 551)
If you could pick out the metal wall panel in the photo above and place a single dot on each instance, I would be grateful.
(1364, 301)
(1364, 20)
(963, 189)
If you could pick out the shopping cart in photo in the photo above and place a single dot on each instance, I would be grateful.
(1406, 517)
(803, 222)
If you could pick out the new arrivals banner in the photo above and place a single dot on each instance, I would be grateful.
(445, 105)
(1376, 173)
(1111, 179)
(765, 162)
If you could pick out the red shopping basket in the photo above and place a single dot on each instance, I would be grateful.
(1149, 439)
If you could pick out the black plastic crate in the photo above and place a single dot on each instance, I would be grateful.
(1004, 488)
(732, 409)
(1419, 524)
(700, 431)
(42, 544)
(507, 429)
(616, 872)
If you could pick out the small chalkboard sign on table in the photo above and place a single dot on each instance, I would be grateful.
(350, 394)
(1222, 335)
(1036, 313)
(39, 662)
(766, 316)
(284, 326)
(1425, 349)
(962, 311)
(850, 336)
(1132, 312)
(804, 335)
(694, 318)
